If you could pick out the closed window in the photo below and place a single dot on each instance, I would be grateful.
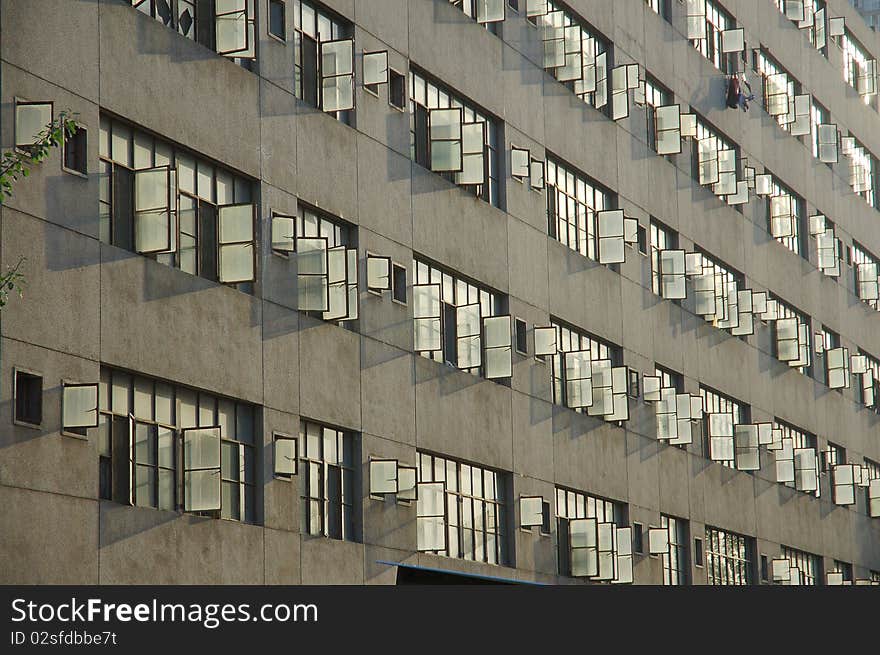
(729, 558)
(331, 502)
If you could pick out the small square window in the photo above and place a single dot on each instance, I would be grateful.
(28, 398)
(75, 152)
(276, 19)
(396, 89)
(521, 345)
(698, 552)
(398, 283)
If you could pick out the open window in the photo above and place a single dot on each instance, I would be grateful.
(611, 237)
(536, 174)
(696, 19)
(867, 281)
(600, 98)
(787, 344)
(794, 10)
(407, 486)
(763, 184)
(827, 138)
(733, 40)
(658, 541)
(837, 368)
(375, 70)
(545, 341)
(843, 477)
(619, 93)
(285, 450)
(498, 345)
(781, 217)
(801, 125)
(707, 160)
(785, 461)
(283, 233)
(312, 274)
(467, 336)
(378, 273)
(155, 208)
(445, 135)
(578, 379)
(79, 406)
(234, 29)
(651, 388)
(874, 498)
(608, 548)
(431, 516)
(721, 440)
(777, 94)
(31, 119)
(383, 477)
(519, 163)
(426, 318)
(342, 278)
(201, 469)
(583, 543)
(553, 38)
(668, 128)
(603, 398)
(866, 82)
(624, 557)
(536, 8)
(237, 250)
(337, 75)
(667, 416)
(687, 409)
(531, 512)
(473, 157)
(806, 469)
(748, 452)
(745, 321)
(726, 184)
(490, 11)
(828, 249)
(672, 274)
(619, 394)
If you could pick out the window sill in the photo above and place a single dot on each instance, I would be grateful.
(25, 424)
(71, 171)
(277, 38)
(74, 435)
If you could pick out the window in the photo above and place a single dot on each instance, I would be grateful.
(28, 398)
(147, 426)
(574, 53)
(398, 283)
(780, 93)
(859, 69)
(487, 13)
(661, 8)
(327, 266)
(715, 162)
(819, 115)
(808, 15)
(460, 323)
(716, 288)
(330, 494)
(670, 379)
(573, 203)
(31, 120)
(460, 145)
(830, 340)
(79, 408)
(462, 510)
(323, 60)
(656, 95)
(285, 455)
(792, 337)
(76, 151)
(789, 440)
(862, 170)
(277, 24)
(866, 269)
(175, 207)
(870, 386)
(581, 368)
(662, 238)
(396, 90)
(729, 558)
(872, 490)
(720, 448)
(226, 27)
(785, 216)
(845, 571)
(809, 565)
(571, 506)
(675, 560)
(706, 20)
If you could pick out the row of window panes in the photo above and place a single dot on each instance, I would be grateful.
(787, 311)
(800, 439)
(715, 402)
(573, 200)
(570, 339)
(778, 189)
(160, 411)
(808, 564)
(475, 509)
(328, 460)
(717, 21)
(729, 558)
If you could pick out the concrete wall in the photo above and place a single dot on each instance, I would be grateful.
(89, 304)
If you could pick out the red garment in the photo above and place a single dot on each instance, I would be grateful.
(733, 92)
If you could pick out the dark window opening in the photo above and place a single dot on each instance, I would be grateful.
(276, 19)
(397, 89)
(398, 282)
(28, 398)
(521, 344)
(75, 152)
(698, 552)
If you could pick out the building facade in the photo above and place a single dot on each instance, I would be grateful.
(870, 11)
(327, 292)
